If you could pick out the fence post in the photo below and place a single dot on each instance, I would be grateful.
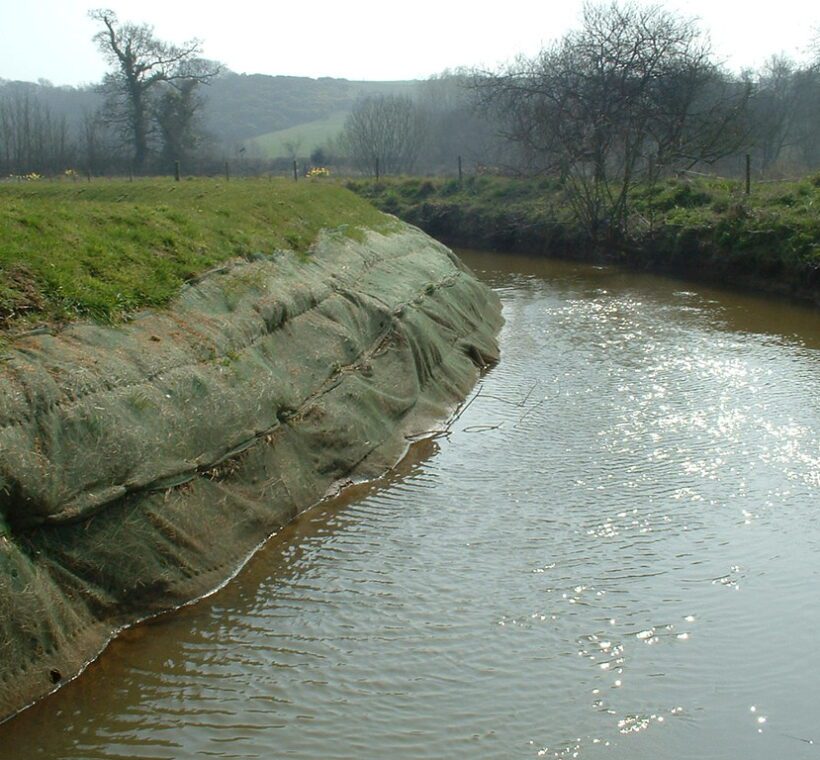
(459, 170)
(227, 172)
(377, 168)
(176, 171)
(295, 171)
(748, 174)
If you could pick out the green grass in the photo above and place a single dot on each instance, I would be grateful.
(699, 225)
(105, 249)
(774, 228)
(309, 136)
(675, 201)
(533, 199)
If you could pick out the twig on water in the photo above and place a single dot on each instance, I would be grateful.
(465, 407)
(797, 738)
(448, 429)
(519, 404)
(528, 412)
(482, 428)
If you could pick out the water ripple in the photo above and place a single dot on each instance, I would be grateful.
(612, 556)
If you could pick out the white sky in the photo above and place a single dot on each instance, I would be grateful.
(364, 39)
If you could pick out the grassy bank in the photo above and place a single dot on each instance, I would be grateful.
(108, 248)
(695, 227)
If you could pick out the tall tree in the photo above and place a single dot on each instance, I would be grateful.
(176, 111)
(456, 126)
(387, 130)
(32, 137)
(140, 63)
(632, 93)
(774, 106)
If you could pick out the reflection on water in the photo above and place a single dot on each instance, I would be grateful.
(613, 555)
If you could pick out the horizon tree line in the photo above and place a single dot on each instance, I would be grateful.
(633, 93)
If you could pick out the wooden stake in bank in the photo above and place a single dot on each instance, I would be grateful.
(295, 172)
(459, 170)
(748, 174)
(176, 171)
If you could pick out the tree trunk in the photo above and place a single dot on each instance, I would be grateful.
(139, 126)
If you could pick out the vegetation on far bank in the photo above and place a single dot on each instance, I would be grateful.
(105, 249)
(691, 225)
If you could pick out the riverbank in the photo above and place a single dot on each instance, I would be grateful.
(145, 455)
(636, 481)
(701, 228)
(107, 249)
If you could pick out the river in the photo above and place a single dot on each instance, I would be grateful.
(613, 552)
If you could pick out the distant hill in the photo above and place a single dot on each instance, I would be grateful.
(301, 139)
(238, 107)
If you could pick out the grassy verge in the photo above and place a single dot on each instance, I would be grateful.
(696, 227)
(108, 248)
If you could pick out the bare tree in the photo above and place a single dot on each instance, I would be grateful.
(785, 106)
(631, 94)
(455, 125)
(808, 117)
(32, 137)
(774, 106)
(140, 63)
(387, 131)
(292, 146)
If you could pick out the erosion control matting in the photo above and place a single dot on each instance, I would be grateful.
(139, 465)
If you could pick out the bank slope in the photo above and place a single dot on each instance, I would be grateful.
(694, 227)
(141, 462)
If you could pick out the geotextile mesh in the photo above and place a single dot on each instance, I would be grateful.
(139, 465)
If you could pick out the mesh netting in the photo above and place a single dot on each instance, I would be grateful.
(139, 465)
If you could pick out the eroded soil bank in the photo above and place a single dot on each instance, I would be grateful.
(140, 465)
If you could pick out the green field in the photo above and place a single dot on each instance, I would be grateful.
(109, 248)
(307, 136)
(310, 135)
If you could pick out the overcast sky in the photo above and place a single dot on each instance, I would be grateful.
(364, 39)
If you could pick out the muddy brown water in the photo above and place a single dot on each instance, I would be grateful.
(614, 554)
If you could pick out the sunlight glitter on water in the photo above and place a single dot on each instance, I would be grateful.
(612, 556)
